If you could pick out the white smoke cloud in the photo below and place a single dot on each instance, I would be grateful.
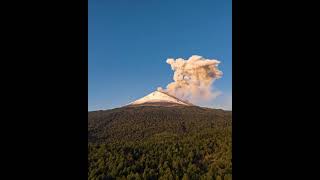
(193, 78)
(224, 101)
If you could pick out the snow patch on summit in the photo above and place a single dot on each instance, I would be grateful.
(159, 97)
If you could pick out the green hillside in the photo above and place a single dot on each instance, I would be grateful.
(152, 142)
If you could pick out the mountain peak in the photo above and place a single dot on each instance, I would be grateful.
(160, 98)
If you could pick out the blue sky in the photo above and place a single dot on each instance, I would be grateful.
(130, 41)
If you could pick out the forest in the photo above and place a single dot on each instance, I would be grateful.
(160, 143)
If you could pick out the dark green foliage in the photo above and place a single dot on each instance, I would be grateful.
(160, 143)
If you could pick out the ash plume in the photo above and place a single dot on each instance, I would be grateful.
(193, 78)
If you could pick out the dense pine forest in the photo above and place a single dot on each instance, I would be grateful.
(150, 142)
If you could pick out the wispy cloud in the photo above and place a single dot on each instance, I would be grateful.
(223, 101)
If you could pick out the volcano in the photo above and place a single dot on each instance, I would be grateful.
(160, 98)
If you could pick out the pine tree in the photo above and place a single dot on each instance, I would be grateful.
(218, 177)
(227, 177)
(185, 177)
(131, 176)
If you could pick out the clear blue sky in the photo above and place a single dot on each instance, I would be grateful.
(130, 40)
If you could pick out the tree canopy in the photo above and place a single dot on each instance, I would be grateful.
(160, 143)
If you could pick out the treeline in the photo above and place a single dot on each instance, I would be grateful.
(139, 123)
